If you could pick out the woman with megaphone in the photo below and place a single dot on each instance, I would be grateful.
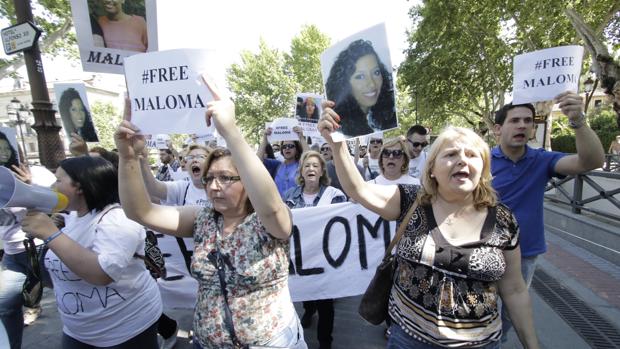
(105, 295)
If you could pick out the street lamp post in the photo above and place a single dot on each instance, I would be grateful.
(589, 86)
(15, 107)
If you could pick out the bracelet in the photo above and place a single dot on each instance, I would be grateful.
(52, 237)
(578, 123)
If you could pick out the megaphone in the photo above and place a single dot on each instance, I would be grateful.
(15, 193)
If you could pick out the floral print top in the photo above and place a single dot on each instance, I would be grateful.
(256, 277)
(447, 295)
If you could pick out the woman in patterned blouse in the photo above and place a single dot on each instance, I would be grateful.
(459, 250)
(241, 244)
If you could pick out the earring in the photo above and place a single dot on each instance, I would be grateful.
(432, 175)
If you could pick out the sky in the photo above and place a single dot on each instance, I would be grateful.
(234, 25)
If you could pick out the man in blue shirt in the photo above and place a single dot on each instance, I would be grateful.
(520, 173)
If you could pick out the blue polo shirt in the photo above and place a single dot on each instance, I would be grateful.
(521, 186)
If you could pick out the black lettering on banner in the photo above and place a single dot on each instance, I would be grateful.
(362, 225)
(298, 258)
(108, 58)
(549, 81)
(179, 101)
(72, 302)
(347, 245)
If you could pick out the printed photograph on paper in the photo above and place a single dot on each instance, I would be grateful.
(74, 111)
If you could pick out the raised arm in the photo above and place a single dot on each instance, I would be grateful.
(302, 139)
(257, 182)
(177, 221)
(590, 153)
(381, 199)
(263, 143)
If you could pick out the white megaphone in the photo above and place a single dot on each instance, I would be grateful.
(15, 193)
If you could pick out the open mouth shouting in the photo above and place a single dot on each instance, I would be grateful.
(461, 175)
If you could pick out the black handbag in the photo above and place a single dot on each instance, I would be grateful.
(32, 290)
(374, 305)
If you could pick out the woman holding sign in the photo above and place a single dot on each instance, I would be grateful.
(362, 89)
(459, 252)
(105, 295)
(241, 243)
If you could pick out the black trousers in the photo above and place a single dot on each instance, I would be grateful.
(147, 340)
(325, 326)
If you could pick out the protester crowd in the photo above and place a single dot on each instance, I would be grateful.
(472, 216)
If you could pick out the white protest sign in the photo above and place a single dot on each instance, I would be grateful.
(205, 139)
(309, 129)
(161, 141)
(167, 92)
(542, 75)
(282, 130)
(335, 250)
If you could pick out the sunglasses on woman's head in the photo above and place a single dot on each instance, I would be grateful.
(396, 153)
(376, 141)
(287, 146)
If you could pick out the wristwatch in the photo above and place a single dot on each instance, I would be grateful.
(575, 124)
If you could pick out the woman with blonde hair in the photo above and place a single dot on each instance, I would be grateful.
(313, 190)
(394, 164)
(459, 251)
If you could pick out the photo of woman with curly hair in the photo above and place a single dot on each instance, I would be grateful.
(75, 116)
(362, 89)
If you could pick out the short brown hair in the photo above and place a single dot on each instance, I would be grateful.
(219, 153)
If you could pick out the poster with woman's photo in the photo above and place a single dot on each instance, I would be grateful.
(308, 111)
(357, 73)
(9, 153)
(74, 111)
(110, 30)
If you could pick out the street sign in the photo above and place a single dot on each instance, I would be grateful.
(19, 37)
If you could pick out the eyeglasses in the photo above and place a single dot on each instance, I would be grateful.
(417, 144)
(287, 146)
(197, 157)
(222, 180)
(326, 149)
(376, 141)
(396, 153)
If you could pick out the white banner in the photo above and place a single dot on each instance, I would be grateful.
(335, 250)
(542, 75)
(167, 92)
(282, 130)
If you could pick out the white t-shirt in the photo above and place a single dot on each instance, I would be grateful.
(179, 175)
(373, 164)
(107, 315)
(10, 218)
(179, 293)
(416, 166)
(404, 179)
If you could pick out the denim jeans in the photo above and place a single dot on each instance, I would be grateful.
(528, 267)
(399, 339)
(291, 337)
(13, 271)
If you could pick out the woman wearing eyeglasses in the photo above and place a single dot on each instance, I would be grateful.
(459, 251)
(394, 164)
(241, 245)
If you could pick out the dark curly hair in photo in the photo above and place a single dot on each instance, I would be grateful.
(12, 159)
(338, 89)
(87, 131)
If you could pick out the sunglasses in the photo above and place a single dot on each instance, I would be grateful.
(326, 149)
(223, 180)
(396, 153)
(376, 141)
(287, 146)
(417, 144)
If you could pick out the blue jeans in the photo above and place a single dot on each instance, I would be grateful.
(528, 267)
(399, 339)
(291, 337)
(12, 276)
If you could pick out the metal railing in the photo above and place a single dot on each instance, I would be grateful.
(576, 200)
(612, 163)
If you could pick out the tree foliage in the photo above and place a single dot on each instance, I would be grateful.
(265, 83)
(53, 17)
(459, 60)
(106, 118)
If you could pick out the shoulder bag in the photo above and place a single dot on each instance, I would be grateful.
(374, 305)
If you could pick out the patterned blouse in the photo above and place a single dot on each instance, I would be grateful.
(447, 295)
(256, 278)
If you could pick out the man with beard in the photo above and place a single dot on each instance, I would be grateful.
(521, 173)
